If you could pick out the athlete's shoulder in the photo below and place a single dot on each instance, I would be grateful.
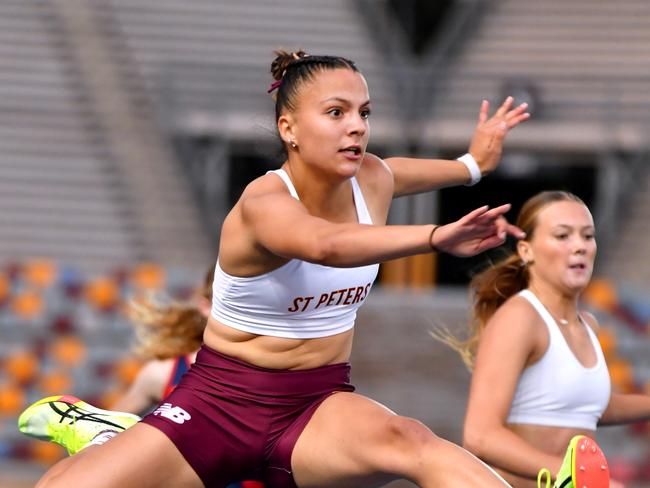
(267, 183)
(519, 305)
(515, 327)
(517, 315)
(375, 173)
(265, 192)
(374, 164)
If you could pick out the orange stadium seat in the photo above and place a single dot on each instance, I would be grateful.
(127, 369)
(5, 287)
(622, 375)
(608, 341)
(601, 294)
(22, 366)
(12, 399)
(54, 382)
(103, 293)
(41, 273)
(68, 350)
(46, 453)
(148, 276)
(28, 305)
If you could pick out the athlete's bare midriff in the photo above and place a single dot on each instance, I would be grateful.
(552, 440)
(278, 352)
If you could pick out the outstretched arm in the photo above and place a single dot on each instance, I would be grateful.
(282, 226)
(414, 175)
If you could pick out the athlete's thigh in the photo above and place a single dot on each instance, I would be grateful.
(139, 457)
(354, 441)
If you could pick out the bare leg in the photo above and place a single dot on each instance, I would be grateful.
(139, 457)
(353, 441)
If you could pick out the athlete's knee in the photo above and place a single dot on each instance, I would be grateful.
(409, 434)
(411, 447)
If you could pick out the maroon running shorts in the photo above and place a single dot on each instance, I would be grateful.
(233, 421)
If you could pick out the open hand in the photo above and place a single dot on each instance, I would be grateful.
(487, 142)
(478, 231)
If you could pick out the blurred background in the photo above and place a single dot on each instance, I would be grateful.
(128, 128)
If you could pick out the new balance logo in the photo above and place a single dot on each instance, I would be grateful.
(175, 414)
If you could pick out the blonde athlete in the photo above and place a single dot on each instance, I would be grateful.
(539, 375)
(169, 337)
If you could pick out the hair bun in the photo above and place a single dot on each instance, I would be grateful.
(282, 61)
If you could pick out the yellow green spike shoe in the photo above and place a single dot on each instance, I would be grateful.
(584, 466)
(70, 422)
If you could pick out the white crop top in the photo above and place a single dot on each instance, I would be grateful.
(298, 300)
(558, 390)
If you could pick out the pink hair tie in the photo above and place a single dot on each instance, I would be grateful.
(274, 85)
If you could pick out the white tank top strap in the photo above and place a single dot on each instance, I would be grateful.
(287, 181)
(363, 216)
(359, 202)
(594, 340)
(551, 325)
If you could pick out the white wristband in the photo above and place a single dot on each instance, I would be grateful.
(471, 165)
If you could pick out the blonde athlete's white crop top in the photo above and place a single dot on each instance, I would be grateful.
(558, 390)
(298, 300)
